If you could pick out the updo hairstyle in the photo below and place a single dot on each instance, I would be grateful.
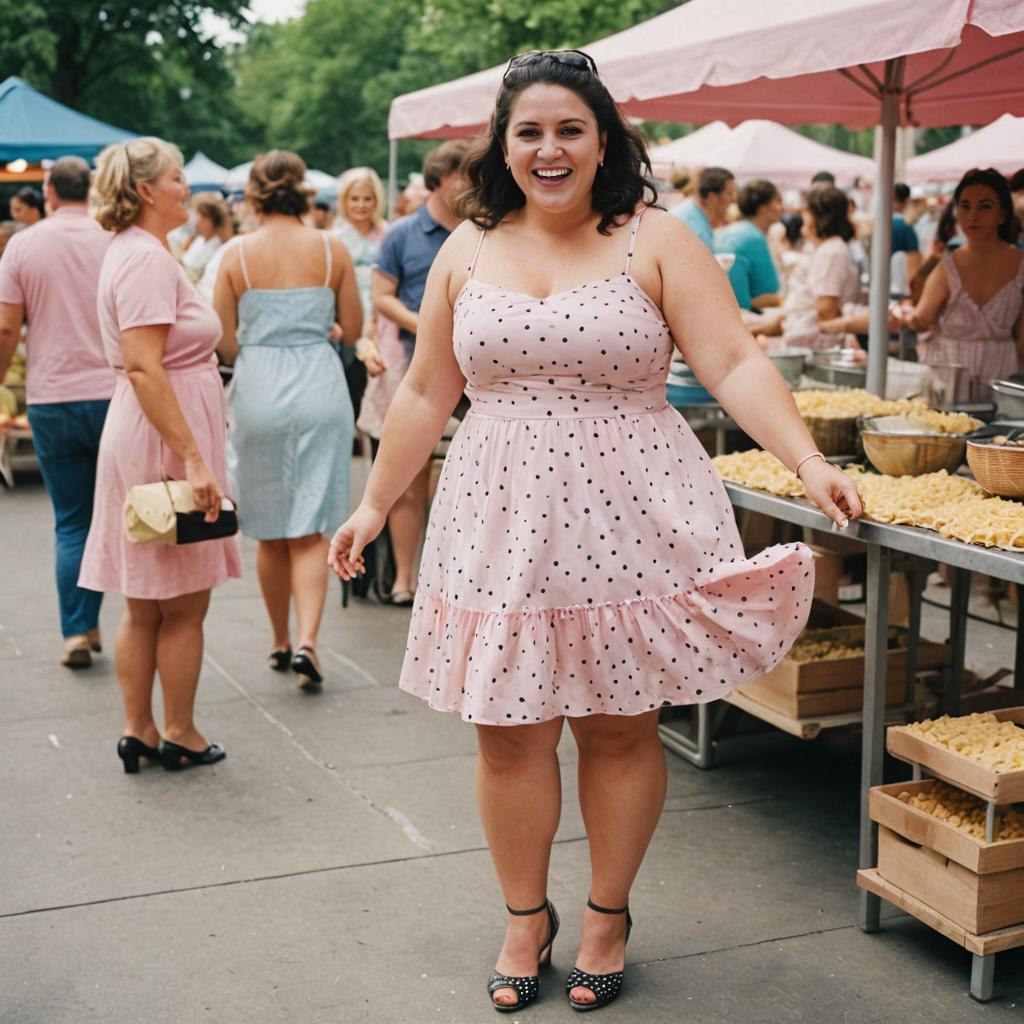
(120, 169)
(620, 185)
(276, 184)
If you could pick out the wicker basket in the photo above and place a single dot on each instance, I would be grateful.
(998, 468)
(834, 436)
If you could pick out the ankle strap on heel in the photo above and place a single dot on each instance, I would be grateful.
(605, 910)
(527, 913)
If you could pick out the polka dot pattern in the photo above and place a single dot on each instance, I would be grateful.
(582, 556)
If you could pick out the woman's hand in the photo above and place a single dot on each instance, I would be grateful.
(336, 335)
(369, 355)
(206, 492)
(345, 555)
(832, 491)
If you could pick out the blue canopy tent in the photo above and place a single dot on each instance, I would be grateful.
(33, 127)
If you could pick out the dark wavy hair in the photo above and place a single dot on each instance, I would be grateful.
(620, 185)
(1009, 230)
(830, 209)
(276, 184)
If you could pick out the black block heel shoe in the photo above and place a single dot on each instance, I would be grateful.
(129, 749)
(606, 987)
(174, 757)
(305, 667)
(527, 988)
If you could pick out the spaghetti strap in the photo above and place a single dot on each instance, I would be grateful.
(328, 258)
(632, 240)
(476, 252)
(245, 269)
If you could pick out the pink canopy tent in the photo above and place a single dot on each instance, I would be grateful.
(854, 62)
(766, 149)
(689, 151)
(999, 145)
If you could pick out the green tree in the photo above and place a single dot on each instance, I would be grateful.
(143, 65)
(324, 84)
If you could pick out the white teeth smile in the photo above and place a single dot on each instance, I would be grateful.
(560, 173)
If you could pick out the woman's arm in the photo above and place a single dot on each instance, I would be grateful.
(702, 314)
(1018, 334)
(349, 305)
(827, 307)
(225, 302)
(143, 351)
(933, 298)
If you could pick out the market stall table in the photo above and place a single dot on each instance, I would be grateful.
(882, 540)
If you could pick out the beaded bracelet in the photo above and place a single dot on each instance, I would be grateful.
(807, 458)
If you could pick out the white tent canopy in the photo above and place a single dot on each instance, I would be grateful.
(319, 181)
(689, 151)
(203, 173)
(766, 149)
(999, 145)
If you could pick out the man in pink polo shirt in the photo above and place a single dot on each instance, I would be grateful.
(49, 275)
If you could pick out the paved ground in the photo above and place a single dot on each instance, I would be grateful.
(332, 869)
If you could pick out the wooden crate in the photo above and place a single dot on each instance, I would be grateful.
(1003, 787)
(978, 903)
(926, 830)
(816, 688)
(782, 692)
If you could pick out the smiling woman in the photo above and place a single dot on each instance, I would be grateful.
(582, 562)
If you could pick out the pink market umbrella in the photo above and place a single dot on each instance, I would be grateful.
(766, 149)
(689, 151)
(999, 145)
(854, 62)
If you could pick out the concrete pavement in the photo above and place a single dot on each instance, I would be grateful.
(332, 869)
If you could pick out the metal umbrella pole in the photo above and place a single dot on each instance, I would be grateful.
(392, 178)
(881, 234)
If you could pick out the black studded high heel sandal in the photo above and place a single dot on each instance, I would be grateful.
(130, 749)
(305, 667)
(527, 988)
(280, 659)
(606, 987)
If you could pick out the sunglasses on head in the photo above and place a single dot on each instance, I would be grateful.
(571, 58)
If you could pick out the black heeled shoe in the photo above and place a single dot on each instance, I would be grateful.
(130, 749)
(306, 669)
(280, 659)
(527, 988)
(171, 755)
(606, 987)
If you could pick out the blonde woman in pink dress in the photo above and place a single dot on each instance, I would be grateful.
(582, 563)
(974, 299)
(167, 416)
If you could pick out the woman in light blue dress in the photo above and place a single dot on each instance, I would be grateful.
(278, 294)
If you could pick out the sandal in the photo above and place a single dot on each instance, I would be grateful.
(304, 665)
(280, 659)
(527, 988)
(402, 598)
(606, 987)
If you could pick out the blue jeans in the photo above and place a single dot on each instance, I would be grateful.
(66, 437)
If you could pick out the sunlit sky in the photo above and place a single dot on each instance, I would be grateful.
(260, 10)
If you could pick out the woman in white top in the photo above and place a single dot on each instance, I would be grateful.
(831, 285)
(211, 219)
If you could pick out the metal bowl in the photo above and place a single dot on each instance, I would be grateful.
(1009, 399)
(837, 369)
(899, 446)
(789, 362)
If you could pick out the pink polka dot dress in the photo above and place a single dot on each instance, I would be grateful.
(582, 556)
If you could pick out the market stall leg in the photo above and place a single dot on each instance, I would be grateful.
(876, 630)
(960, 595)
(983, 969)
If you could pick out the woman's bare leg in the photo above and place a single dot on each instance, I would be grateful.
(519, 795)
(179, 657)
(309, 585)
(622, 780)
(406, 520)
(273, 566)
(135, 665)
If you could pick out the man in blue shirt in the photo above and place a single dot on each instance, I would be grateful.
(702, 213)
(753, 276)
(411, 244)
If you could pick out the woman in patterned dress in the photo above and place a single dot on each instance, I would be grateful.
(582, 561)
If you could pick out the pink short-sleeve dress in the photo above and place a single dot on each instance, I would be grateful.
(141, 285)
